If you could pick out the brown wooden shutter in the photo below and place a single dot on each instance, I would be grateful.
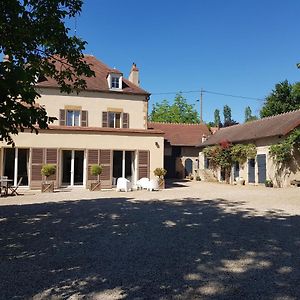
(51, 157)
(125, 120)
(106, 162)
(84, 118)
(143, 164)
(104, 119)
(62, 117)
(93, 158)
(37, 160)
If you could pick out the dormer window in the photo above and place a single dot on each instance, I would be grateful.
(114, 81)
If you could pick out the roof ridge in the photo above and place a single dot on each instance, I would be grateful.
(262, 119)
(194, 124)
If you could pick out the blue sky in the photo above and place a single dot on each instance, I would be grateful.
(232, 47)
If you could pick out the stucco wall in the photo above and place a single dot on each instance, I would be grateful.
(95, 103)
(83, 141)
(280, 175)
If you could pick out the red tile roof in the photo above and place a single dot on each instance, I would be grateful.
(279, 125)
(181, 134)
(99, 82)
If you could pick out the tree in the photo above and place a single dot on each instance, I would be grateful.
(284, 98)
(228, 121)
(217, 119)
(179, 112)
(248, 115)
(34, 39)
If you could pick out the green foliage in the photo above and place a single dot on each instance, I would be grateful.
(217, 119)
(284, 98)
(96, 170)
(283, 152)
(269, 183)
(34, 38)
(48, 170)
(160, 172)
(179, 112)
(248, 115)
(224, 157)
(228, 121)
(241, 152)
(227, 114)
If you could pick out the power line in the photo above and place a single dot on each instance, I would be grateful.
(210, 92)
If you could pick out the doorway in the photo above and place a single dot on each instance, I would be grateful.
(188, 166)
(72, 167)
(261, 166)
(251, 170)
(16, 165)
(123, 165)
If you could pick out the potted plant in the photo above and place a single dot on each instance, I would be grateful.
(96, 170)
(269, 183)
(47, 171)
(160, 173)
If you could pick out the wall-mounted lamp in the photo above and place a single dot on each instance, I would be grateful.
(157, 145)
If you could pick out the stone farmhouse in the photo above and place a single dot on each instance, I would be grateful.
(263, 133)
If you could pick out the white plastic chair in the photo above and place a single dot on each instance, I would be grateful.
(123, 184)
(153, 185)
(142, 183)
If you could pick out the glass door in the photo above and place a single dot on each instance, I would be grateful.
(72, 167)
(16, 165)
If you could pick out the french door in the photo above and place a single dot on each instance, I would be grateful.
(72, 167)
(16, 165)
(123, 165)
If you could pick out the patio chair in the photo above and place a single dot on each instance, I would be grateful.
(123, 184)
(13, 189)
(142, 183)
(153, 185)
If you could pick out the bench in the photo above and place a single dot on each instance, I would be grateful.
(295, 182)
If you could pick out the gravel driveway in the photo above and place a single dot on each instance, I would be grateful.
(194, 240)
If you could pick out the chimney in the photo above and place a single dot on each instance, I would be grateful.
(204, 138)
(134, 75)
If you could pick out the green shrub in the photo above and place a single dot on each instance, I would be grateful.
(48, 170)
(96, 170)
(160, 172)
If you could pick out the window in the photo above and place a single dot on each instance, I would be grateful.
(115, 82)
(114, 120)
(73, 118)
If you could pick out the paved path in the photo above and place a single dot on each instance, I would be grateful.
(193, 241)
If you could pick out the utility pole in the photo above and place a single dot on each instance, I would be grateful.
(201, 105)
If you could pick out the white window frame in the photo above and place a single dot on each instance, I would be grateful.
(116, 77)
(73, 117)
(121, 119)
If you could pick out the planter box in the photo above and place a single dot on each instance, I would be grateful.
(161, 184)
(95, 186)
(47, 187)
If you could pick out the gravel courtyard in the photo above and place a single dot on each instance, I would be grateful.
(194, 240)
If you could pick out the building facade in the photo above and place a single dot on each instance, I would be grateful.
(180, 152)
(105, 124)
(262, 133)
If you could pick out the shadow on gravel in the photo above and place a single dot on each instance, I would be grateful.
(120, 249)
